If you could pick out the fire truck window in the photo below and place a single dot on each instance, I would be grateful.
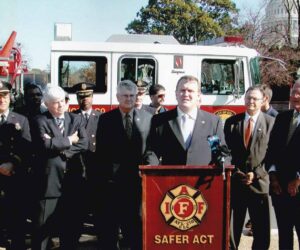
(254, 68)
(75, 69)
(217, 77)
(142, 71)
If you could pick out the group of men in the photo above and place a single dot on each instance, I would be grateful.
(263, 150)
(91, 158)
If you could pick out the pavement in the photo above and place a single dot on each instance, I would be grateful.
(88, 242)
(246, 241)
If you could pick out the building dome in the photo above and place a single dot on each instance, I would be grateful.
(276, 20)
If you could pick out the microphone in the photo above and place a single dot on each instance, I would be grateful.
(219, 152)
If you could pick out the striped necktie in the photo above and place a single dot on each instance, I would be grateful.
(60, 124)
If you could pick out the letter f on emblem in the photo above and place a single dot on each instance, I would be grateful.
(183, 206)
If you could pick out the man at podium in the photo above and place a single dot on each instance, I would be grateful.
(179, 136)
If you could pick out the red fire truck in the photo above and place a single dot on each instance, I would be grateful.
(12, 66)
(225, 71)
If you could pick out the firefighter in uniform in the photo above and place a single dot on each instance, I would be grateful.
(84, 92)
(14, 143)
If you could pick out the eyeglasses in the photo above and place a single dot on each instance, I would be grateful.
(161, 95)
(128, 96)
(253, 98)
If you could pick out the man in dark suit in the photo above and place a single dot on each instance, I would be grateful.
(283, 163)
(157, 95)
(179, 136)
(121, 143)
(59, 137)
(14, 150)
(267, 107)
(84, 92)
(247, 135)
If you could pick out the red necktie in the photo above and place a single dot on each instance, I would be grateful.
(248, 132)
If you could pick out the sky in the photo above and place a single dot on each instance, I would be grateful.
(92, 20)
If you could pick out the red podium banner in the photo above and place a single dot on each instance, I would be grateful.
(185, 207)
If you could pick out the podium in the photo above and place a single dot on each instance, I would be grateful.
(185, 207)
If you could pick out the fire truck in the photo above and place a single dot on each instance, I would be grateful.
(12, 66)
(225, 71)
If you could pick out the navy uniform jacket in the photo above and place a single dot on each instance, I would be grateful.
(250, 159)
(15, 141)
(272, 112)
(166, 143)
(149, 109)
(91, 130)
(55, 156)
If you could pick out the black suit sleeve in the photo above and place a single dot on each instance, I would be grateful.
(23, 146)
(45, 139)
(152, 154)
(82, 144)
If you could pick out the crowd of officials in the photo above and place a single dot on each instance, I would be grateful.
(57, 166)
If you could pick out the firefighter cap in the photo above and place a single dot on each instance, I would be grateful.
(5, 87)
(142, 87)
(84, 89)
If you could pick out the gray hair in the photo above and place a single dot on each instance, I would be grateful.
(127, 84)
(53, 93)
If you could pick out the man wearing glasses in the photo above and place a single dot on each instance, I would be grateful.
(157, 95)
(247, 135)
(121, 142)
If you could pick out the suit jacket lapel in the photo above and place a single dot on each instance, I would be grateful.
(137, 121)
(258, 129)
(174, 125)
(200, 124)
(10, 118)
(52, 125)
(297, 130)
(119, 122)
(67, 124)
(240, 128)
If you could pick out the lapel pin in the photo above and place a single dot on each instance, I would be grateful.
(203, 122)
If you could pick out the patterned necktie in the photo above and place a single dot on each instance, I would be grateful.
(128, 125)
(248, 132)
(293, 126)
(186, 131)
(2, 121)
(60, 124)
